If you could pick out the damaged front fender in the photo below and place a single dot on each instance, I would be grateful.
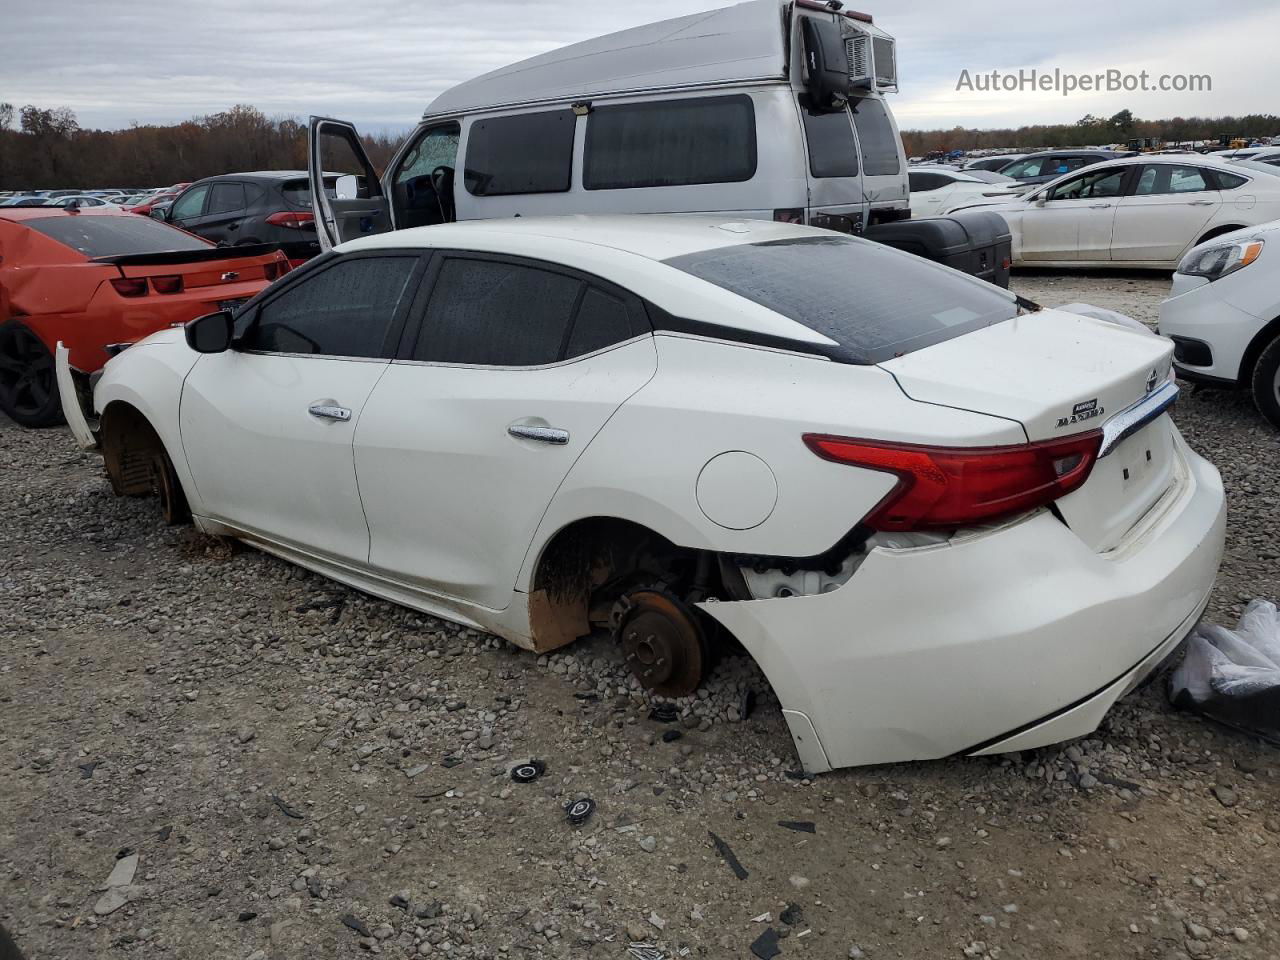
(82, 427)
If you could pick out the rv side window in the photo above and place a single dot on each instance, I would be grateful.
(525, 153)
(832, 151)
(670, 143)
(875, 134)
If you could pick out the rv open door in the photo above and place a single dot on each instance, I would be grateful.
(348, 198)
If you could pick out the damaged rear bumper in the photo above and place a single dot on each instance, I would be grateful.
(1006, 640)
(82, 428)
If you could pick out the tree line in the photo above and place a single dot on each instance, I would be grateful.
(1091, 131)
(45, 148)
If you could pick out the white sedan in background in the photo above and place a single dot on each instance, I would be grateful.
(1223, 315)
(936, 192)
(1144, 212)
(942, 521)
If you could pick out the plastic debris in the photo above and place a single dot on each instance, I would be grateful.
(578, 812)
(766, 945)
(664, 713)
(793, 915)
(670, 736)
(1233, 676)
(86, 769)
(528, 772)
(645, 951)
(728, 856)
(657, 921)
(164, 833)
(356, 924)
(763, 918)
(287, 810)
(800, 826)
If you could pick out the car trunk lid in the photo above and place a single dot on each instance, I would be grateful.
(206, 267)
(1059, 374)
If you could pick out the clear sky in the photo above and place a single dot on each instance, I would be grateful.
(378, 62)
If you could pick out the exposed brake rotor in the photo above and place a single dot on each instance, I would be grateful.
(664, 647)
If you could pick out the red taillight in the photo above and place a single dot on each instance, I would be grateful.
(276, 268)
(130, 286)
(292, 219)
(962, 486)
(789, 215)
(167, 284)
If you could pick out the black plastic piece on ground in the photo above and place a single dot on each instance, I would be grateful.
(246, 915)
(528, 772)
(356, 924)
(766, 945)
(398, 901)
(164, 833)
(287, 810)
(800, 826)
(86, 769)
(670, 735)
(578, 812)
(792, 915)
(728, 856)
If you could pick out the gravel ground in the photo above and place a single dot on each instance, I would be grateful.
(210, 753)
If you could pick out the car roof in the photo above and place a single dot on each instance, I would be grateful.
(1070, 152)
(652, 236)
(741, 43)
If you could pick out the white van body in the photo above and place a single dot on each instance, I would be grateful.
(700, 114)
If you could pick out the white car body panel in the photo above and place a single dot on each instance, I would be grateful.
(1017, 632)
(76, 420)
(251, 415)
(1228, 313)
(439, 436)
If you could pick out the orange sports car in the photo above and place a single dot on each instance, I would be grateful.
(98, 279)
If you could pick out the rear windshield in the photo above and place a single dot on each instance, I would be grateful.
(875, 302)
(106, 236)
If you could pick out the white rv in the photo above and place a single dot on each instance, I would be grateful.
(760, 110)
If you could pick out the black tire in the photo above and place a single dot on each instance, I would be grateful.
(1266, 382)
(28, 382)
(168, 490)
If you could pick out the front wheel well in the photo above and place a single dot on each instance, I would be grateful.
(1261, 340)
(1217, 232)
(129, 445)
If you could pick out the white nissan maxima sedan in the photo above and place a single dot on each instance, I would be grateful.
(942, 520)
(1135, 212)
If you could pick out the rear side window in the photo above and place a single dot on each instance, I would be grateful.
(1167, 178)
(347, 310)
(924, 182)
(108, 236)
(670, 143)
(297, 193)
(496, 314)
(1023, 169)
(226, 198)
(829, 134)
(602, 320)
(1229, 181)
(875, 135)
(525, 153)
(874, 302)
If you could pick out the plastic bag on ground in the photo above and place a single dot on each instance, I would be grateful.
(1233, 676)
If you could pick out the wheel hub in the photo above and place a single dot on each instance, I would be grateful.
(663, 645)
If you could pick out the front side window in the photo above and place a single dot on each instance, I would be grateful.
(1168, 178)
(346, 310)
(670, 143)
(874, 302)
(226, 198)
(524, 153)
(829, 134)
(879, 142)
(1099, 183)
(190, 204)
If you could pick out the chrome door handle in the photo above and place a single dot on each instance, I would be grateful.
(527, 431)
(1199, 203)
(329, 411)
(1099, 206)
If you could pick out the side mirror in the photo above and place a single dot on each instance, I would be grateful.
(159, 213)
(1040, 200)
(211, 333)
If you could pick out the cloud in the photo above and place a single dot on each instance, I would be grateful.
(381, 61)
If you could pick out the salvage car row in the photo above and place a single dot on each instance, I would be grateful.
(941, 518)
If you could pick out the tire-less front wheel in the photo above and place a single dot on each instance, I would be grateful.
(28, 385)
(1266, 382)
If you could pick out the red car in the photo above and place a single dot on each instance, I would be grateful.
(99, 277)
(146, 205)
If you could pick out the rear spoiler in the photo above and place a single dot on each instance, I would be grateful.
(189, 256)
